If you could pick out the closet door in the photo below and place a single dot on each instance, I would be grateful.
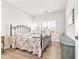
(76, 28)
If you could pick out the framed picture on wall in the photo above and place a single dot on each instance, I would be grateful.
(70, 17)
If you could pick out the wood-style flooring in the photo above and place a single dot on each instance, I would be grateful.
(51, 52)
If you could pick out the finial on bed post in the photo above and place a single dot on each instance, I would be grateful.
(10, 29)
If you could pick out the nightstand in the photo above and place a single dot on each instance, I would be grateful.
(2, 43)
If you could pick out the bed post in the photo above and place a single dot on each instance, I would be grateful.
(41, 46)
(41, 41)
(10, 29)
(10, 33)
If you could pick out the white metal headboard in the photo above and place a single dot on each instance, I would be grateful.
(19, 29)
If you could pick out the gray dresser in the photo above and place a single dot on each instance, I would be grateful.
(67, 47)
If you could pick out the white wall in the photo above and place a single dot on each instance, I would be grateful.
(76, 17)
(59, 17)
(69, 29)
(12, 15)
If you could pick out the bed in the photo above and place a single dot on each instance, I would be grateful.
(24, 39)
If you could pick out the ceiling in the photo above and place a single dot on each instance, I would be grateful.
(36, 7)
